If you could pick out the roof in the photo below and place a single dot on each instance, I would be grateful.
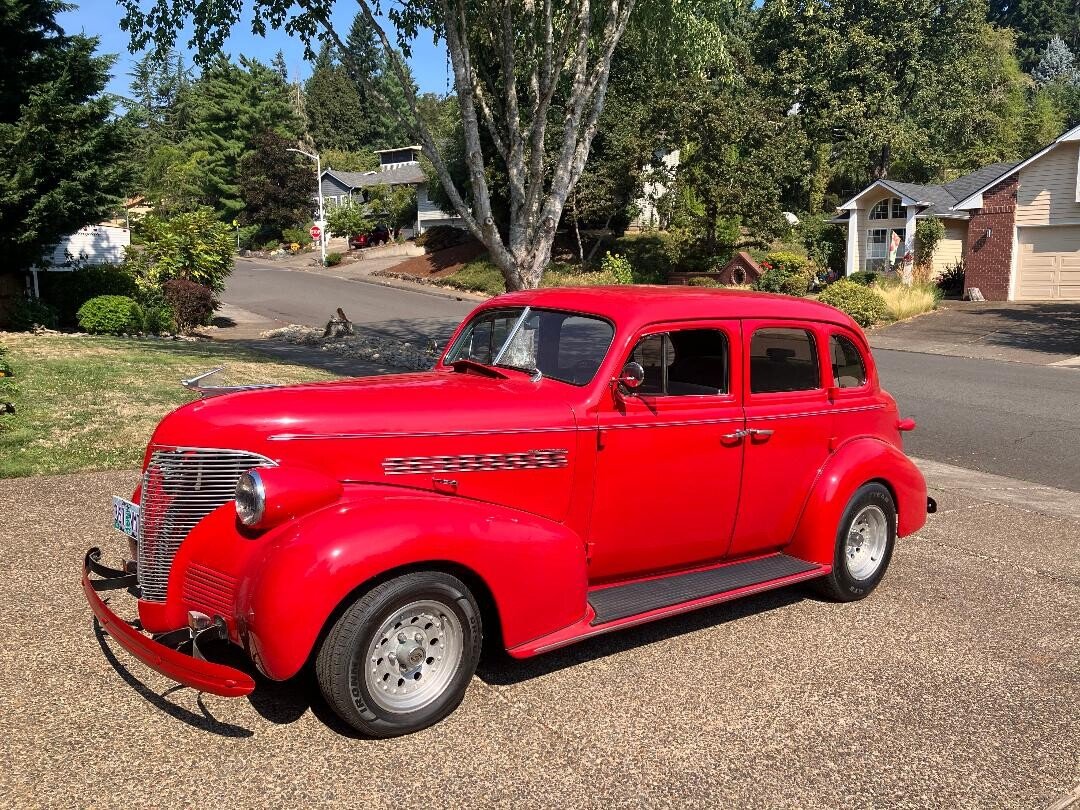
(396, 149)
(409, 174)
(973, 199)
(939, 200)
(632, 306)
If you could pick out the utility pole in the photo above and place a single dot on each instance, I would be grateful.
(318, 187)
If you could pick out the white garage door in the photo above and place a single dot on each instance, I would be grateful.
(1049, 264)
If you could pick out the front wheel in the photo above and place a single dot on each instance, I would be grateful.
(864, 545)
(400, 658)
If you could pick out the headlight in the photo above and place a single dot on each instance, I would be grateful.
(250, 498)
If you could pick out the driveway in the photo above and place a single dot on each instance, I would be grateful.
(955, 685)
(1039, 333)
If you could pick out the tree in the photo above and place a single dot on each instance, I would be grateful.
(396, 205)
(61, 146)
(194, 246)
(517, 69)
(1035, 23)
(336, 118)
(1057, 64)
(275, 185)
(349, 219)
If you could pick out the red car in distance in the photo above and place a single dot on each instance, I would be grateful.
(579, 461)
(379, 235)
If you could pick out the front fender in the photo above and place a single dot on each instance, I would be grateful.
(533, 567)
(852, 465)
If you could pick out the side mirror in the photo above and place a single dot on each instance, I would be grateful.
(631, 377)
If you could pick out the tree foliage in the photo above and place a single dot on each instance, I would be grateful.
(61, 148)
(276, 185)
(195, 246)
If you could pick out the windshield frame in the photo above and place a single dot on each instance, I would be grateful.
(526, 311)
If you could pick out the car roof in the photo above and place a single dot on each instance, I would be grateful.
(634, 304)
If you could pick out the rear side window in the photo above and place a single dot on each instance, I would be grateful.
(783, 360)
(848, 368)
(691, 362)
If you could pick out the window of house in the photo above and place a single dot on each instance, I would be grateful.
(690, 362)
(848, 368)
(889, 208)
(877, 247)
(783, 359)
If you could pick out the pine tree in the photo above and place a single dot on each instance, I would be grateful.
(1057, 64)
(336, 118)
(61, 147)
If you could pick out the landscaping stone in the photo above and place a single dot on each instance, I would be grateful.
(387, 351)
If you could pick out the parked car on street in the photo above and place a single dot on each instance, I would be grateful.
(579, 461)
(378, 235)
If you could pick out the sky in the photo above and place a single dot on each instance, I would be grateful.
(101, 18)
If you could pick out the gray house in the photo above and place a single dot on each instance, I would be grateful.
(397, 167)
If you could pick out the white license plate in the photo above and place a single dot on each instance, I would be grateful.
(126, 517)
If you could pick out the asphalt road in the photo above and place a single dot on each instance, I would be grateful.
(310, 298)
(1013, 419)
(954, 685)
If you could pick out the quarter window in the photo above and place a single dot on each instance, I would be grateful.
(783, 360)
(848, 368)
(690, 362)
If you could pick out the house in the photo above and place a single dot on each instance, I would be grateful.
(400, 166)
(1015, 226)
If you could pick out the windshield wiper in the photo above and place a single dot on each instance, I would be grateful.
(535, 374)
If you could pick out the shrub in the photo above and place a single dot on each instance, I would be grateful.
(333, 259)
(67, 291)
(928, 232)
(618, 267)
(566, 277)
(951, 280)
(31, 312)
(480, 275)
(863, 304)
(864, 277)
(110, 315)
(297, 236)
(903, 301)
(704, 281)
(775, 280)
(157, 320)
(439, 237)
(191, 304)
(788, 262)
(196, 246)
(652, 255)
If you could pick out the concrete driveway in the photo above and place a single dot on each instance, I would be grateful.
(1040, 333)
(955, 685)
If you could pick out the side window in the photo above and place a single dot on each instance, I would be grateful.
(783, 360)
(691, 362)
(848, 368)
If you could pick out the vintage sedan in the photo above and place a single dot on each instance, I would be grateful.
(579, 461)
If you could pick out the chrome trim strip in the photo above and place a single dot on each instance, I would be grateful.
(406, 434)
(828, 412)
(484, 462)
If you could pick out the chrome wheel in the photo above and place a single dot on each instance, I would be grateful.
(414, 656)
(867, 540)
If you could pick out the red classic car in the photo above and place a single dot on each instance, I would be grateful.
(579, 461)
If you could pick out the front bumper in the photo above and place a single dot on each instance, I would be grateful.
(206, 676)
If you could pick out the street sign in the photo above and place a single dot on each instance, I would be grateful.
(315, 232)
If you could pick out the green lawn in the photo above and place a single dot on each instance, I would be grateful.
(91, 403)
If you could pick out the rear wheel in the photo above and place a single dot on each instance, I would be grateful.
(400, 658)
(864, 545)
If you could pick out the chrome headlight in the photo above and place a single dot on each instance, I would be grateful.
(250, 498)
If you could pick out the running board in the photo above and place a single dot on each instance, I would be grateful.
(620, 601)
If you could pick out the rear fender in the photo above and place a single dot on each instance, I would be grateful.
(534, 568)
(853, 464)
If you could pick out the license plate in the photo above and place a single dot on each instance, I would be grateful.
(126, 517)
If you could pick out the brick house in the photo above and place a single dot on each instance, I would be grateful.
(1015, 226)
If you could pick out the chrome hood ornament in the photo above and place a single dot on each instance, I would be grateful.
(192, 384)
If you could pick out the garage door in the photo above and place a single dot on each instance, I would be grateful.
(1049, 264)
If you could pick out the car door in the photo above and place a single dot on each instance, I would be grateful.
(788, 422)
(669, 458)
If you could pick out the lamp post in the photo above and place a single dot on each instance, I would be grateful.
(318, 185)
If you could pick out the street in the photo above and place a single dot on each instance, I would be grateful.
(1012, 419)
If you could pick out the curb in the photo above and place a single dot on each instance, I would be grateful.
(999, 489)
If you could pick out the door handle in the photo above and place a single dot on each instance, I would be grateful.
(736, 436)
(760, 434)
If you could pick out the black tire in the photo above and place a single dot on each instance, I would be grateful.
(841, 585)
(340, 666)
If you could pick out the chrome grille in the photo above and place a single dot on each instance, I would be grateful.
(180, 487)
(211, 590)
(525, 460)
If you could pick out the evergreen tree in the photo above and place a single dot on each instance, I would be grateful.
(336, 118)
(277, 186)
(1035, 23)
(61, 146)
(1057, 64)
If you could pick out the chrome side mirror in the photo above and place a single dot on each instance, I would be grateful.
(631, 377)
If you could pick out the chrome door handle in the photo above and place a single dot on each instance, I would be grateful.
(738, 434)
(764, 434)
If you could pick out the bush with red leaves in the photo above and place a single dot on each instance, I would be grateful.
(192, 304)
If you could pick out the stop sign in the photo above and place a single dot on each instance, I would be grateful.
(315, 232)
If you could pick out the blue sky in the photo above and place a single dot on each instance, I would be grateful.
(101, 18)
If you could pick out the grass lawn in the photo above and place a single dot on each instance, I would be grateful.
(91, 403)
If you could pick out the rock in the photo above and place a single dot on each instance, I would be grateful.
(387, 351)
(339, 325)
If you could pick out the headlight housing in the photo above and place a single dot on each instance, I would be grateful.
(250, 498)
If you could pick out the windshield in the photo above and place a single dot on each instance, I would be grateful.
(565, 346)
